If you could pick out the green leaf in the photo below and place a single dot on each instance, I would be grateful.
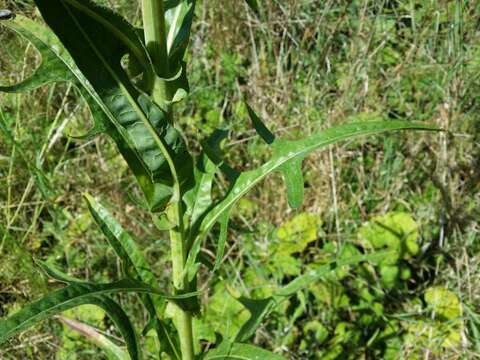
(222, 239)
(55, 59)
(285, 152)
(396, 231)
(303, 281)
(241, 352)
(71, 296)
(57, 66)
(253, 5)
(124, 245)
(258, 309)
(51, 271)
(293, 177)
(127, 250)
(261, 308)
(443, 302)
(97, 39)
(199, 198)
(163, 223)
(259, 126)
(120, 319)
(178, 21)
(295, 234)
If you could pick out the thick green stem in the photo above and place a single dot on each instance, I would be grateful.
(183, 319)
(155, 38)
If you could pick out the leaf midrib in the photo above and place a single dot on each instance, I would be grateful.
(139, 54)
(107, 289)
(274, 164)
(132, 102)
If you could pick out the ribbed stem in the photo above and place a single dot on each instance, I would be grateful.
(153, 13)
(183, 319)
(155, 38)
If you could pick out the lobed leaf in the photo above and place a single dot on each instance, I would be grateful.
(259, 126)
(56, 65)
(97, 39)
(259, 309)
(287, 158)
(139, 127)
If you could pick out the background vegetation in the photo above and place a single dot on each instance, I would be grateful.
(303, 65)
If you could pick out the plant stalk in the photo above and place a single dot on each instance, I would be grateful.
(154, 26)
(153, 13)
(182, 318)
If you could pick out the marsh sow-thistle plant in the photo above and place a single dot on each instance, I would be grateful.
(131, 80)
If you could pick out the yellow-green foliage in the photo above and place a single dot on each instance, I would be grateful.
(295, 234)
(293, 238)
(396, 232)
(441, 328)
(223, 314)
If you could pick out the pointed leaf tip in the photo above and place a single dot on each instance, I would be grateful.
(259, 126)
(253, 4)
